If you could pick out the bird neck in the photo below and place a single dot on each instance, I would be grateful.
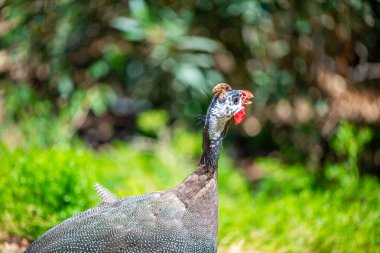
(203, 181)
(213, 135)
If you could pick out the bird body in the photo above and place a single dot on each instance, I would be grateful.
(182, 219)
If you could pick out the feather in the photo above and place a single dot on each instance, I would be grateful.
(105, 195)
(200, 119)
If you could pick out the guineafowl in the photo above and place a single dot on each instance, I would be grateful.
(181, 219)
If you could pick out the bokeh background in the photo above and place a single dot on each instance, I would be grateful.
(111, 92)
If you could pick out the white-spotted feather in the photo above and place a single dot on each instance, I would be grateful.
(105, 195)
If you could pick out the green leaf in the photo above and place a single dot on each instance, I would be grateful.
(99, 69)
(131, 28)
(65, 86)
(190, 75)
(197, 43)
(153, 122)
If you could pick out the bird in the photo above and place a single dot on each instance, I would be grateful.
(182, 219)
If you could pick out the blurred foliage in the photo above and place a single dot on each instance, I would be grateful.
(39, 189)
(153, 122)
(344, 145)
(311, 65)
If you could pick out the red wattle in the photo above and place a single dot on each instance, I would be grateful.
(239, 116)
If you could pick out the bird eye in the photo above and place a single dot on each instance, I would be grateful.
(236, 100)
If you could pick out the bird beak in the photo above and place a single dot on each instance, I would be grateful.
(240, 115)
(246, 96)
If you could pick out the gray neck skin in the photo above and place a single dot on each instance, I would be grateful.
(213, 135)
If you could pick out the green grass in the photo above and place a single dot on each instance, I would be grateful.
(285, 212)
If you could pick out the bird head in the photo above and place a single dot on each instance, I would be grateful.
(228, 103)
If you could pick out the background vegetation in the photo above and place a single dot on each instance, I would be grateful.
(109, 91)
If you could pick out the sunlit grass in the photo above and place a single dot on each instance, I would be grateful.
(284, 212)
(287, 214)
